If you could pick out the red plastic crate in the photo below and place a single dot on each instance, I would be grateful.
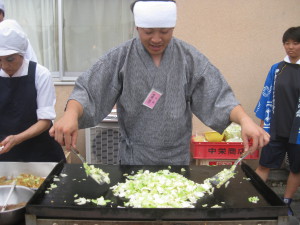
(219, 150)
(215, 162)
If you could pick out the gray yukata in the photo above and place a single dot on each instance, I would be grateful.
(188, 82)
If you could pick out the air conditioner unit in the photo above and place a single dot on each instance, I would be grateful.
(102, 143)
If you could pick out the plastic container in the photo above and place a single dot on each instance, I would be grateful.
(213, 136)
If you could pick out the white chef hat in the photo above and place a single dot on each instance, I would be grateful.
(155, 14)
(12, 38)
(2, 6)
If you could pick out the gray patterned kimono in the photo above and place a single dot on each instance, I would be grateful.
(188, 82)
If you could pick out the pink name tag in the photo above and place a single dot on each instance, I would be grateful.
(152, 99)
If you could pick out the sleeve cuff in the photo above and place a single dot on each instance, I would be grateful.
(46, 113)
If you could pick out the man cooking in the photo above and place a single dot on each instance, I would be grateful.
(157, 82)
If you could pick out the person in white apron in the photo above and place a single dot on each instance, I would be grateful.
(157, 82)
(27, 99)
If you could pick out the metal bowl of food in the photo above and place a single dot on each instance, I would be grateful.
(14, 212)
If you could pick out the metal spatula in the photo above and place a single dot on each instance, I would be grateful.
(95, 173)
(222, 177)
(76, 152)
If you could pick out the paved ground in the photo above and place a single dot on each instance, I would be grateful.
(277, 181)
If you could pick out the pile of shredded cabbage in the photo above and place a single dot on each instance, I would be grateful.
(162, 189)
(96, 173)
(223, 177)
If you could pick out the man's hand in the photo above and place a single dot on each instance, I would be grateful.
(65, 130)
(250, 130)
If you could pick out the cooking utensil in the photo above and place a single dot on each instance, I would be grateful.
(244, 155)
(8, 196)
(15, 212)
(99, 178)
(222, 177)
(76, 152)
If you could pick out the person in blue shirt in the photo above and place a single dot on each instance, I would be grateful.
(279, 111)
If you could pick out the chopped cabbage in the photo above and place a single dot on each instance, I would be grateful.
(216, 206)
(235, 139)
(223, 177)
(52, 186)
(96, 173)
(233, 133)
(98, 201)
(253, 199)
(162, 189)
(81, 201)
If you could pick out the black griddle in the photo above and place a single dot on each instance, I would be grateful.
(59, 203)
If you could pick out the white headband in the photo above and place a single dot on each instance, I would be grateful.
(155, 14)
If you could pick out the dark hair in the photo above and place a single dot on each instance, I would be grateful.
(1, 11)
(293, 33)
(132, 4)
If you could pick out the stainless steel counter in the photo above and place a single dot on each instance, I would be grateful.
(41, 169)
